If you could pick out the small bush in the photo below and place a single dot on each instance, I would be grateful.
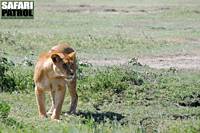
(112, 79)
(14, 78)
(4, 110)
(23, 78)
(106, 84)
(7, 83)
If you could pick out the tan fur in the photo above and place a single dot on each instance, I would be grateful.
(53, 71)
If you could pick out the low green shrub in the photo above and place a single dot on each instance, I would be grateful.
(7, 82)
(23, 78)
(4, 110)
(14, 78)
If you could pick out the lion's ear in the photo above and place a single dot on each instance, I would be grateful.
(72, 55)
(57, 57)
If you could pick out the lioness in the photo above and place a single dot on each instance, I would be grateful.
(53, 71)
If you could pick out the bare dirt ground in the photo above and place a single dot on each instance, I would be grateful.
(158, 62)
(176, 61)
(100, 8)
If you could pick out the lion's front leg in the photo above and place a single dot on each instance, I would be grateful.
(74, 97)
(40, 98)
(59, 98)
(52, 103)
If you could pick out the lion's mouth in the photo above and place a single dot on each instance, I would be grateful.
(70, 78)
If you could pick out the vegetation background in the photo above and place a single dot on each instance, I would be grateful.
(139, 65)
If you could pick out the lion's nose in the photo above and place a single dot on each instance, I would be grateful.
(71, 73)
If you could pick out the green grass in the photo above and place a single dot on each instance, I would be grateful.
(115, 99)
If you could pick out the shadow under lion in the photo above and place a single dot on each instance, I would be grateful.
(101, 117)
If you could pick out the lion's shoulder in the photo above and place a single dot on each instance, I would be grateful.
(42, 64)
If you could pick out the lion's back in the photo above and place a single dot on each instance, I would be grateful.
(63, 48)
